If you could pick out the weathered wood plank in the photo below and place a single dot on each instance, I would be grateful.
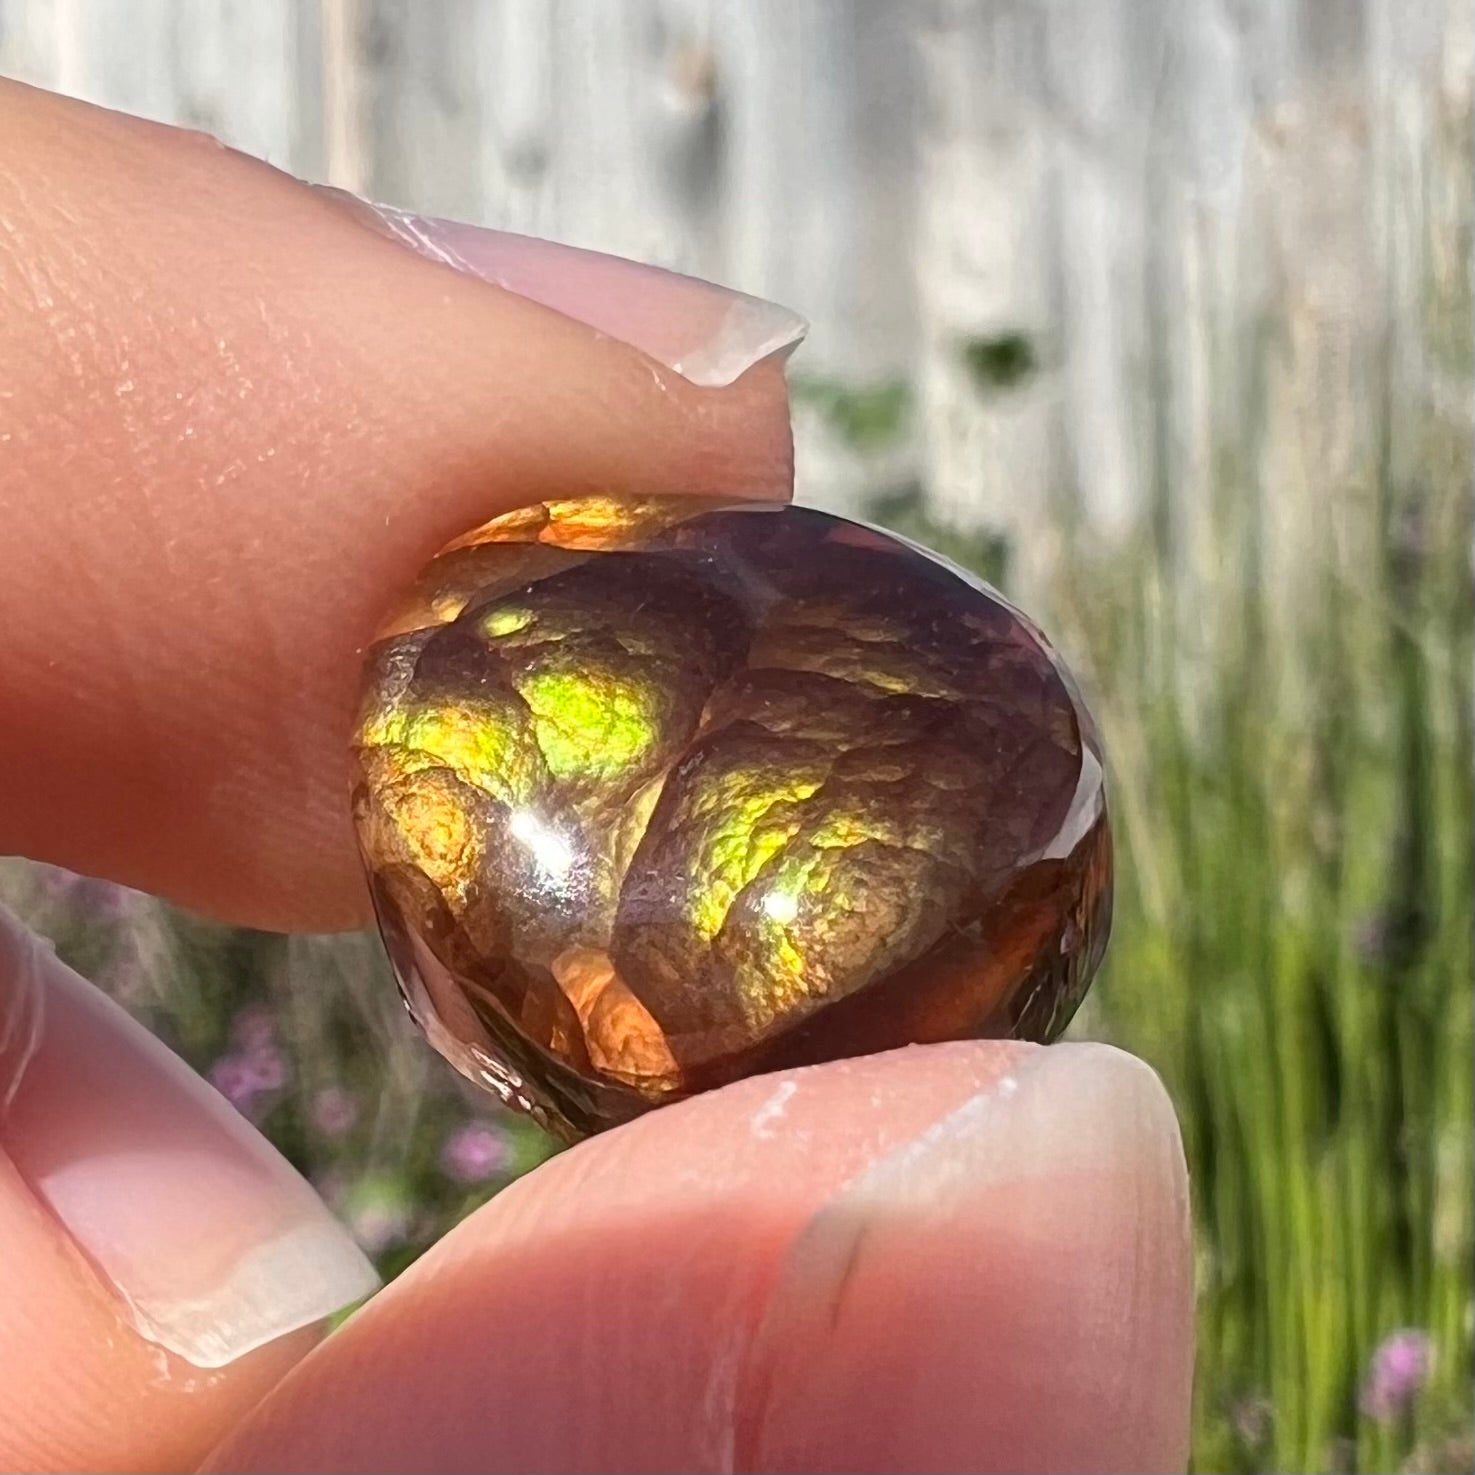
(1073, 228)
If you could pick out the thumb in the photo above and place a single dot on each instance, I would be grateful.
(238, 417)
(957, 1257)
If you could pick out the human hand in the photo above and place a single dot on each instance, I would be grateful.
(236, 415)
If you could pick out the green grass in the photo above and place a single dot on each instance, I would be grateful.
(1292, 951)
(1291, 786)
(1291, 766)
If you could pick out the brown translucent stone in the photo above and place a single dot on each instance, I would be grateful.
(656, 794)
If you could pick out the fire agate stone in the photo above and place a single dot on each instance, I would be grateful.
(655, 794)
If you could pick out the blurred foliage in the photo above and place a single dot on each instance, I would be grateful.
(999, 362)
(867, 419)
(1292, 951)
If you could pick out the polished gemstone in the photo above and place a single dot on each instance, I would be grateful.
(655, 794)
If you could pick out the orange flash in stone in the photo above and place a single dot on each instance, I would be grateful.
(655, 794)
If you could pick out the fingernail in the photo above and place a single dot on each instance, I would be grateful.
(211, 1240)
(1061, 1111)
(706, 333)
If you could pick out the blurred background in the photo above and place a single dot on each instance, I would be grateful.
(1158, 312)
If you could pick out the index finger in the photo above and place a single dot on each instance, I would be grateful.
(234, 424)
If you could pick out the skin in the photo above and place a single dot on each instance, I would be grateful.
(233, 422)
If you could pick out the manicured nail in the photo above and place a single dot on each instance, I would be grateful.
(706, 333)
(212, 1241)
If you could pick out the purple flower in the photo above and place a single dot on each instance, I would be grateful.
(247, 1077)
(233, 1077)
(269, 1066)
(473, 1153)
(1399, 1368)
(255, 1070)
(334, 1111)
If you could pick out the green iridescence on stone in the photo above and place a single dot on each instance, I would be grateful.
(654, 795)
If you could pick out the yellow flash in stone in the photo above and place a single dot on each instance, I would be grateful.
(489, 751)
(591, 725)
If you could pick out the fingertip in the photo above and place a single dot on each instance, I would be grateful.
(241, 422)
(959, 1257)
(1014, 1286)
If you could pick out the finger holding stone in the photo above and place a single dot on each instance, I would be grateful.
(162, 1266)
(238, 417)
(960, 1257)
